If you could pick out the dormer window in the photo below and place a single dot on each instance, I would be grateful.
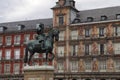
(2, 28)
(103, 18)
(117, 16)
(76, 21)
(20, 27)
(72, 3)
(37, 26)
(89, 19)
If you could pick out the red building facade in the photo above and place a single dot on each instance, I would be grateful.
(12, 50)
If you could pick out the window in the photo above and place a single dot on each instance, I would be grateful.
(117, 16)
(0, 54)
(1, 40)
(74, 50)
(17, 54)
(89, 19)
(74, 66)
(117, 30)
(61, 20)
(117, 65)
(16, 68)
(101, 31)
(26, 37)
(74, 35)
(61, 35)
(103, 65)
(102, 49)
(117, 48)
(60, 51)
(103, 18)
(87, 32)
(7, 68)
(8, 40)
(60, 67)
(88, 65)
(86, 49)
(17, 39)
(8, 54)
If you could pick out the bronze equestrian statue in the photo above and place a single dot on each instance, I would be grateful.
(42, 44)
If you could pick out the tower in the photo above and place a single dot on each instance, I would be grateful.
(64, 12)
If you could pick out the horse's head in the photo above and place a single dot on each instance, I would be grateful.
(40, 27)
(56, 34)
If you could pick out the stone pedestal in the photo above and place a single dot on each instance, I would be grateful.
(44, 72)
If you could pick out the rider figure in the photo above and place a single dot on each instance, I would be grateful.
(41, 35)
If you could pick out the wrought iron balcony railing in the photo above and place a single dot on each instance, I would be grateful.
(93, 36)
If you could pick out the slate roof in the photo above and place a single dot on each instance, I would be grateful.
(29, 24)
(96, 14)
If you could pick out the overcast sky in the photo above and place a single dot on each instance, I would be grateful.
(18, 10)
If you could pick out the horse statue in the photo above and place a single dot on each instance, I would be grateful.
(35, 46)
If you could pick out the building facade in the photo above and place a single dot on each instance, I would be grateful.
(88, 47)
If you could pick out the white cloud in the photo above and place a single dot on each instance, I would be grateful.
(28, 9)
(12, 10)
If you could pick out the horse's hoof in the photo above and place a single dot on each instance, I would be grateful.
(26, 64)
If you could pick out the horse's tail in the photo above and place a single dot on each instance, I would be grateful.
(26, 55)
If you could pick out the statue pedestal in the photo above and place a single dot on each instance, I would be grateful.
(44, 72)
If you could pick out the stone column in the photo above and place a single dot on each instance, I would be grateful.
(44, 72)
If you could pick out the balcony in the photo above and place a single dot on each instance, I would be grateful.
(60, 71)
(7, 73)
(17, 57)
(25, 41)
(16, 72)
(94, 36)
(60, 56)
(16, 43)
(8, 44)
(74, 54)
(98, 54)
(7, 57)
